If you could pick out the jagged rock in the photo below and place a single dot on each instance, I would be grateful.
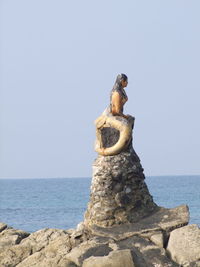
(51, 255)
(79, 235)
(2, 226)
(10, 257)
(158, 239)
(145, 253)
(117, 258)
(162, 220)
(10, 237)
(184, 245)
(88, 249)
(41, 238)
(15, 254)
(70, 231)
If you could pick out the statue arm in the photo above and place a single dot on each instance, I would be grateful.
(117, 105)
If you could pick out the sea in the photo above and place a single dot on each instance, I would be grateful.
(33, 204)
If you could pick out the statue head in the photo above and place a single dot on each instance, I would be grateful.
(121, 81)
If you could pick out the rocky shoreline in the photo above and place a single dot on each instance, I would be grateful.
(122, 227)
(162, 239)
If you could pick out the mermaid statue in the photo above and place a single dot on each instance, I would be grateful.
(113, 124)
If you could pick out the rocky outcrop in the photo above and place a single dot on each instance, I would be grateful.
(122, 227)
(141, 244)
(162, 222)
(10, 237)
(51, 255)
(13, 254)
(184, 245)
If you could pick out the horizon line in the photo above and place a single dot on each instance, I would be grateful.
(86, 177)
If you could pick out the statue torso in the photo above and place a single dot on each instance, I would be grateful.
(122, 94)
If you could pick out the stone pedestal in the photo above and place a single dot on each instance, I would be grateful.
(119, 193)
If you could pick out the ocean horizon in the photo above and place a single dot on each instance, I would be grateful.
(31, 204)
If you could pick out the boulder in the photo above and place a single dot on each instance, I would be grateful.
(42, 238)
(117, 258)
(51, 255)
(88, 249)
(13, 255)
(10, 237)
(184, 245)
(145, 253)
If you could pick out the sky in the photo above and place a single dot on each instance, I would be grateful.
(58, 62)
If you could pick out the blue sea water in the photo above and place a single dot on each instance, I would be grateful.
(33, 204)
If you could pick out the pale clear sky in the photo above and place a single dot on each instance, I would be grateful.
(58, 62)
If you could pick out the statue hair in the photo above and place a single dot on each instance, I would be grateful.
(118, 83)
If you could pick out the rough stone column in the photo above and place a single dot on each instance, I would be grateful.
(119, 193)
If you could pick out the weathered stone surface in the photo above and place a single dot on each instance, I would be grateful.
(65, 263)
(118, 193)
(79, 235)
(2, 226)
(59, 248)
(110, 136)
(51, 255)
(161, 220)
(88, 249)
(10, 257)
(15, 254)
(184, 245)
(117, 258)
(193, 264)
(145, 253)
(41, 238)
(10, 237)
(158, 239)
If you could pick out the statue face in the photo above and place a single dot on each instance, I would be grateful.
(124, 83)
